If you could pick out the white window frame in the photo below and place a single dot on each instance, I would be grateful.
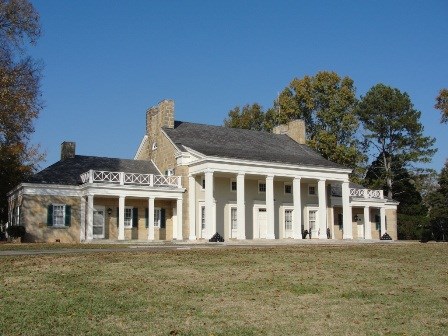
(157, 217)
(314, 186)
(232, 183)
(307, 218)
(291, 220)
(233, 221)
(260, 183)
(55, 215)
(128, 222)
(284, 188)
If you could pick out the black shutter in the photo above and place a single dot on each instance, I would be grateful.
(135, 217)
(118, 216)
(68, 215)
(50, 215)
(162, 218)
(146, 218)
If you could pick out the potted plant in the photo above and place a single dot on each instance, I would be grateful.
(16, 233)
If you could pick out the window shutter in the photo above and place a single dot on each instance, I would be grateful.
(68, 215)
(162, 218)
(135, 217)
(50, 215)
(118, 217)
(146, 217)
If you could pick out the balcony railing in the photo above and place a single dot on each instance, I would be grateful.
(122, 178)
(366, 193)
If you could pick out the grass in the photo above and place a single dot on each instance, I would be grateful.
(394, 289)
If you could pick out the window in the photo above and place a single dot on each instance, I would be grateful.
(312, 219)
(203, 184)
(288, 219)
(15, 216)
(59, 215)
(232, 185)
(203, 217)
(233, 218)
(154, 146)
(288, 188)
(128, 217)
(378, 222)
(312, 190)
(340, 221)
(157, 217)
(169, 172)
(261, 186)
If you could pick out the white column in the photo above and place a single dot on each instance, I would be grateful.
(89, 224)
(322, 209)
(297, 213)
(151, 218)
(367, 223)
(192, 206)
(210, 224)
(270, 207)
(121, 218)
(383, 220)
(347, 232)
(241, 206)
(82, 229)
(179, 219)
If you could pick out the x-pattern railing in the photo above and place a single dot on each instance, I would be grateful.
(94, 176)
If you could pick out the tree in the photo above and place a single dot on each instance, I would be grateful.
(393, 130)
(327, 103)
(249, 117)
(438, 212)
(442, 104)
(19, 95)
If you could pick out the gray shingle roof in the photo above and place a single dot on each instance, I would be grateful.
(245, 144)
(67, 172)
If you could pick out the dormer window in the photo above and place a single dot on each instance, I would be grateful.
(154, 146)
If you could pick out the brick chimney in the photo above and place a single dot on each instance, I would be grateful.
(295, 129)
(68, 150)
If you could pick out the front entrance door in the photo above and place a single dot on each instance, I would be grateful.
(262, 221)
(98, 223)
(360, 225)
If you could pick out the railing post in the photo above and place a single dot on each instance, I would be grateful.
(90, 176)
(381, 194)
(179, 181)
(121, 178)
(151, 180)
(366, 193)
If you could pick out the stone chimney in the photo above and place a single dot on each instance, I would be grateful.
(295, 129)
(159, 116)
(68, 150)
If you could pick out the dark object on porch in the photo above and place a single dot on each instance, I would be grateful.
(385, 237)
(16, 231)
(304, 234)
(328, 233)
(216, 238)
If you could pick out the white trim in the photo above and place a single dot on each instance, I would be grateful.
(140, 147)
(233, 233)
(130, 223)
(53, 224)
(312, 185)
(282, 219)
(308, 208)
(255, 226)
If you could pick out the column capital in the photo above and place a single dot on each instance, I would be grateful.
(208, 171)
(191, 175)
(241, 174)
(270, 177)
(322, 180)
(151, 197)
(297, 178)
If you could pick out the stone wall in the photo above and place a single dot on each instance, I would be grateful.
(35, 211)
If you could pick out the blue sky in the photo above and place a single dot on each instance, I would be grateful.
(106, 62)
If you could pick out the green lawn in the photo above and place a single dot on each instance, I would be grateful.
(392, 289)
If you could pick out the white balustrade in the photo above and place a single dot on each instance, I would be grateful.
(366, 193)
(95, 176)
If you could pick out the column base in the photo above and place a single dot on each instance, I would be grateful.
(270, 237)
(192, 238)
(347, 237)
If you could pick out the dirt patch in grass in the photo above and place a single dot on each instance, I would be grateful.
(308, 290)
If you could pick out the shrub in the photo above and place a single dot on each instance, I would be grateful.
(16, 231)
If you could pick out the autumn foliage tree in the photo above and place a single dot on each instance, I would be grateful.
(20, 102)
